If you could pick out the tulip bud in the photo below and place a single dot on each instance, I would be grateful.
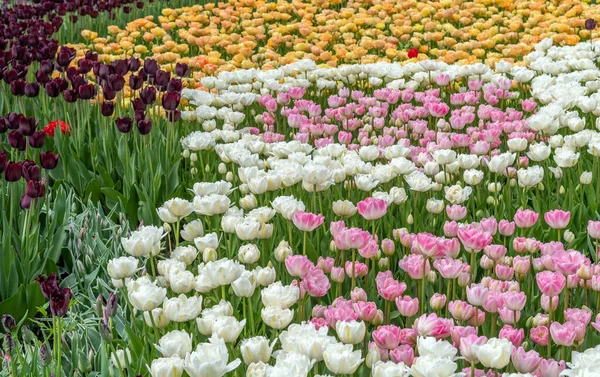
(585, 178)
(193, 157)
(98, 307)
(45, 355)
(282, 251)
(209, 255)
(8, 322)
(111, 305)
(372, 357)
(437, 301)
(569, 236)
(167, 227)
(8, 345)
(105, 331)
(491, 201)
(186, 153)
(248, 254)
(388, 247)
(193, 171)
(83, 364)
(378, 318)
(222, 168)
(431, 276)
(410, 220)
(384, 264)
(229, 176)
(561, 190)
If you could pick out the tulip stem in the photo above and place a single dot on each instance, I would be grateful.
(548, 355)
(422, 298)
(251, 315)
(58, 346)
(223, 292)
(353, 269)
(304, 245)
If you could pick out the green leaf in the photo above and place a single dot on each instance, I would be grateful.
(92, 191)
(24, 302)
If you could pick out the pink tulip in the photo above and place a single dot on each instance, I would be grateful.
(474, 239)
(451, 228)
(525, 218)
(506, 228)
(495, 252)
(318, 311)
(493, 301)
(319, 322)
(563, 334)
(477, 294)
(508, 316)
(413, 265)
(557, 219)
(432, 325)
(388, 287)
(352, 238)
(337, 274)
(521, 265)
(489, 225)
(315, 283)
(298, 265)
(335, 227)
(596, 323)
(407, 306)
(366, 310)
(515, 300)
(593, 229)
(360, 269)
(539, 335)
(466, 346)
(515, 336)
(449, 268)
(370, 250)
(307, 221)
(477, 320)
(459, 332)
(325, 264)
(504, 272)
(550, 283)
(371, 208)
(434, 247)
(456, 212)
(387, 337)
(525, 362)
(403, 354)
(388, 247)
(438, 301)
(551, 368)
(460, 310)
(358, 294)
(583, 316)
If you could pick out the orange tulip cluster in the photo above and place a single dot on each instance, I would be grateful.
(259, 34)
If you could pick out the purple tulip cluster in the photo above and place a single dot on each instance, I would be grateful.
(59, 297)
(22, 131)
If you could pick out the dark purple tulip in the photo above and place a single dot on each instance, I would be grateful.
(25, 202)
(32, 89)
(31, 171)
(35, 189)
(104, 71)
(121, 67)
(108, 108)
(124, 124)
(590, 24)
(62, 84)
(139, 105)
(150, 67)
(161, 79)
(42, 77)
(37, 139)
(49, 159)
(126, 10)
(173, 116)
(17, 87)
(46, 66)
(27, 125)
(170, 100)
(16, 140)
(112, 305)
(89, 55)
(135, 82)
(175, 85)
(133, 64)
(9, 323)
(70, 95)
(47, 284)
(105, 331)
(139, 5)
(86, 91)
(10, 76)
(144, 126)
(64, 59)
(84, 66)
(15, 120)
(12, 173)
(181, 69)
(108, 94)
(139, 115)
(116, 82)
(3, 161)
(4, 123)
(59, 302)
(52, 89)
(73, 76)
(148, 95)
(45, 355)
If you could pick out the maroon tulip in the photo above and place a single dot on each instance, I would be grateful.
(175, 85)
(170, 100)
(27, 125)
(37, 139)
(111, 305)
(139, 105)
(139, 115)
(108, 108)
(49, 160)
(148, 95)
(86, 91)
(42, 77)
(135, 82)
(70, 95)
(161, 79)
(17, 140)
(121, 67)
(590, 24)
(181, 69)
(52, 89)
(84, 66)
(59, 301)
(17, 87)
(89, 55)
(32, 89)
(124, 124)
(46, 66)
(12, 173)
(109, 95)
(173, 116)
(48, 284)
(35, 189)
(144, 126)
(150, 67)
(133, 64)
(3, 161)
(31, 171)
(25, 202)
